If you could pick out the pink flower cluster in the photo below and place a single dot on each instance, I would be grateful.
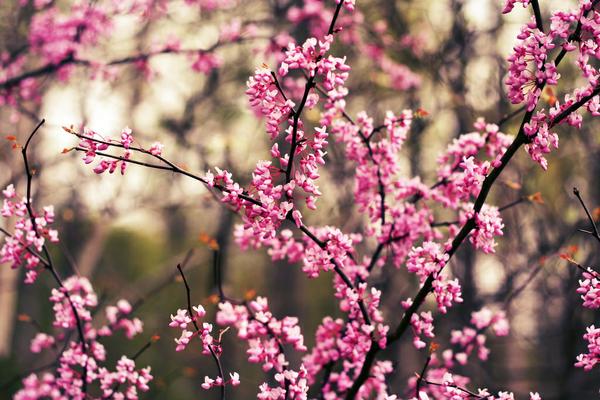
(267, 100)
(452, 387)
(449, 385)
(533, 48)
(422, 324)
(296, 383)
(460, 167)
(78, 362)
(75, 296)
(29, 234)
(118, 320)
(265, 334)
(63, 37)
(40, 342)
(205, 62)
(427, 261)
(349, 342)
(488, 225)
(510, 4)
(126, 375)
(592, 357)
(93, 146)
(542, 140)
(589, 288)
(317, 16)
(210, 345)
(92, 143)
(468, 339)
(399, 212)
(531, 70)
(57, 36)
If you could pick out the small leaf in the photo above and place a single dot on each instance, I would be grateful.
(24, 318)
(596, 214)
(569, 253)
(550, 97)
(213, 245)
(512, 185)
(565, 256)
(536, 198)
(421, 113)
(214, 299)
(203, 238)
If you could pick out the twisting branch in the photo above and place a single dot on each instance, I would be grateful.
(210, 347)
(49, 265)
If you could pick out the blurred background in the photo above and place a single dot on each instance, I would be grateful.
(127, 234)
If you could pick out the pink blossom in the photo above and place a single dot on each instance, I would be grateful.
(509, 5)
(40, 342)
(206, 62)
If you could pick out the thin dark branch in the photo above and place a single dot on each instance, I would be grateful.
(278, 85)
(510, 116)
(595, 234)
(538, 15)
(464, 390)
(512, 204)
(583, 268)
(49, 264)
(421, 376)
(190, 311)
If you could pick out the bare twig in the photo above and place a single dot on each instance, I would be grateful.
(595, 232)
